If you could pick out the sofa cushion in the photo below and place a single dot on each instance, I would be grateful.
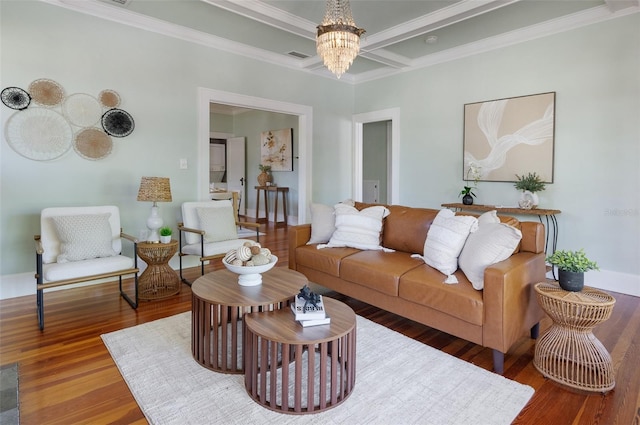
(489, 244)
(423, 285)
(445, 240)
(378, 270)
(405, 229)
(357, 229)
(323, 223)
(324, 260)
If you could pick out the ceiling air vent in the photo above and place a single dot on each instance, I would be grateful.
(298, 55)
(123, 3)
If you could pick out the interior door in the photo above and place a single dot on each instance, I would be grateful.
(236, 169)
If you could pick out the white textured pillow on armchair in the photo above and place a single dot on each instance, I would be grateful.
(84, 236)
(445, 239)
(357, 229)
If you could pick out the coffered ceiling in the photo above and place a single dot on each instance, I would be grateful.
(400, 34)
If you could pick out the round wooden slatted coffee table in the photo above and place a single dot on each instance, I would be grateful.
(568, 352)
(319, 367)
(218, 306)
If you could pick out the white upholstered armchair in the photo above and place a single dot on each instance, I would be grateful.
(209, 230)
(80, 244)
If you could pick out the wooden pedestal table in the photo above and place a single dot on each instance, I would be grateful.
(158, 280)
(568, 352)
(218, 306)
(291, 369)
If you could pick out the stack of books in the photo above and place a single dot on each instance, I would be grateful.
(311, 315)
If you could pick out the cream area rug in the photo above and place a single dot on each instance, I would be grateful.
(398, 381)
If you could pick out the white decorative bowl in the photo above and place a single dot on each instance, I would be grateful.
(250, 275)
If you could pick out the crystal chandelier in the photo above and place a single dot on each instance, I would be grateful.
(338, 40)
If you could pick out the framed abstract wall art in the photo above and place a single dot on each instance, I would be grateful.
(505, 137)
(277, 149)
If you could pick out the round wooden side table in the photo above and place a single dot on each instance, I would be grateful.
(158, 280)
(568, 352)
(218, 306)
(297, 370)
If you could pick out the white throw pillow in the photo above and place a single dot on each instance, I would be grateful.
(84, 236)
(357, 229)
(445, 239)
(323, 223)
(219, 223)
(488, 217)
(490, 244)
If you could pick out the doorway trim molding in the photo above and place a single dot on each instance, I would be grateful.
(393, 115)
(305, 137)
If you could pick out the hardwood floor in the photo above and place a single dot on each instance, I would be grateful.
(67, 376)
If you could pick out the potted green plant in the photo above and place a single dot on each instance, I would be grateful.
(264, 175)
(529, 185)
(467, 191)
(165, 234)
(571, 268)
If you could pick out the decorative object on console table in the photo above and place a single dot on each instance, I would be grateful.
(473, 171)
(264, 175)
(154, 189)
(571, 268)
(529, 185)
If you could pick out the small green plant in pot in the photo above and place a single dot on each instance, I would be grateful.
(529, 185)
(571, 268)
(165, 234)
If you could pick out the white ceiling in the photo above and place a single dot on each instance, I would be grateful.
(396, 30)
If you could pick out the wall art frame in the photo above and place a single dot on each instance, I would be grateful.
(509, 136)
(276, 149)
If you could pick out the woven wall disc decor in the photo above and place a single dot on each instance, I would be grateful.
(82, 109)
(92, 143)
(109, 98)
(40, 134)
(117, 123)
(46, 92)
(15, 98)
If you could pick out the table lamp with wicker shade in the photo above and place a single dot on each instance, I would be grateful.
(154, 189)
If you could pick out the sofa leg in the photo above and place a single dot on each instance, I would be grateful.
(535, 331)
(498, 362)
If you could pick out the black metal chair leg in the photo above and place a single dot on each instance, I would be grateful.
(133, 304)
(40, 306)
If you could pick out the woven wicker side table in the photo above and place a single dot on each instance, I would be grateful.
(568, 352)
(159, 280)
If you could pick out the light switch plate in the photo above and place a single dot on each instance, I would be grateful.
(183, 164)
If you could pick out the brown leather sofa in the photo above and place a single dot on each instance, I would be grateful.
(495, 317)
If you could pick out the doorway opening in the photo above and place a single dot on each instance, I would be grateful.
(392, 116)
(304, 114)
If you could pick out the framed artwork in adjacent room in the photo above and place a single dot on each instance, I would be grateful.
(505, 137)
(277, 149)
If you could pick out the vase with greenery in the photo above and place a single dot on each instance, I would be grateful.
(529, 185)
(473, 173)
(165, 234)
(264, 175)
(571, 268)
